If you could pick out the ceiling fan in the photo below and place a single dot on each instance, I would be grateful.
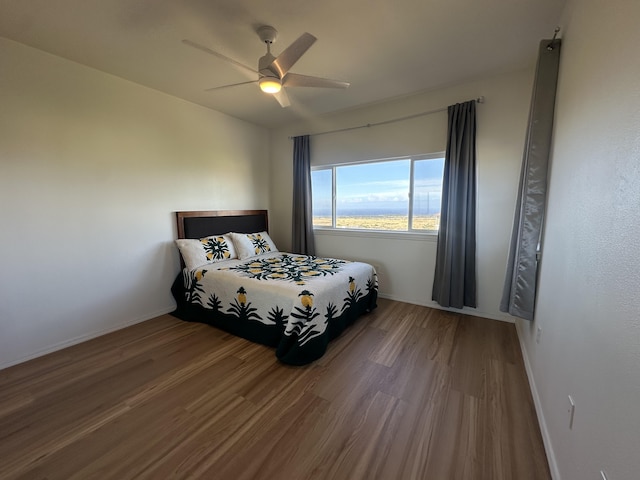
(273, 72)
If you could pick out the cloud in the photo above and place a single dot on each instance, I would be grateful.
(395, 191)
(428, 182)
(388, 196)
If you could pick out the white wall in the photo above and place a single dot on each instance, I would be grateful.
(406, 265)
(91, 169)
(589, 292)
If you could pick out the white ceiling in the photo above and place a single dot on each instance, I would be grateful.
(384, 48)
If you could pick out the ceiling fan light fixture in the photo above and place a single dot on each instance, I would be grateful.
(270, 84)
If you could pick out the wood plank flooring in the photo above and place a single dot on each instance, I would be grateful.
(407, 392)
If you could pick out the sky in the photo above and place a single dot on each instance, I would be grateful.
(381, 187)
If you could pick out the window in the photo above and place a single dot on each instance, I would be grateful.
(402, 194)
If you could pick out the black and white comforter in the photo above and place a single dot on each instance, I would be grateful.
(296, 303)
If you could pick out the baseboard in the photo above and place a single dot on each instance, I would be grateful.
(546, 439)
(465, 310)
(85, 337)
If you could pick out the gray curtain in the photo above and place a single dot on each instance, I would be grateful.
(454, 283)
(302, 239)
(519, 293)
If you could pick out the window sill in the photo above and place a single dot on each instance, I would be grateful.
(346, 232)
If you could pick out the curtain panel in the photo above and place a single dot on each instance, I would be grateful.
(519, 292)
(454, 283)
(302, 221)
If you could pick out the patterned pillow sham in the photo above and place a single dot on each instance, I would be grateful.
(197, 252)
(251, 244)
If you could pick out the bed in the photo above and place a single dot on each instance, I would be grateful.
(234, 278)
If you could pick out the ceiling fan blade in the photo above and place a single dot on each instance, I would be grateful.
(292, 54)
(282, 98)
(230, 85)
(296, 80)
(219, 55)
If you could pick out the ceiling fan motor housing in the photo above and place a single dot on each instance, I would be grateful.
(263, 66)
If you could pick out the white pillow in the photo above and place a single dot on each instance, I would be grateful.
(251, 244)
(203, 251)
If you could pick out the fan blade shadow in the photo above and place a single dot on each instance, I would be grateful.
(219, 55)
(231, 85)
(296, 80)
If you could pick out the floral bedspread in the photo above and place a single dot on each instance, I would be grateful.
(296, 303)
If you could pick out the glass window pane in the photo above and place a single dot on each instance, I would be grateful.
(427, 193)
(321, 197)
(373, 196)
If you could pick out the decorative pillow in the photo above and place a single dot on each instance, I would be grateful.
(252, 244)
(206, 250)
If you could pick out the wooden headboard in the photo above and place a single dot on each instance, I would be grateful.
(196, 224)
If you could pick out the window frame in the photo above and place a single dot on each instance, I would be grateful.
(410, 230)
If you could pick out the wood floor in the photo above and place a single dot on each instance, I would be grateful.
(405, 393)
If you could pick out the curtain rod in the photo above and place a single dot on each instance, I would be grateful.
(555, 34)
(385, 122)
